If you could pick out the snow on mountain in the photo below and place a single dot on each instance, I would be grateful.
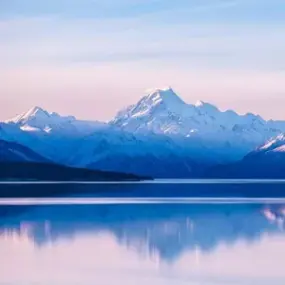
(48, 133)
(159, 133)
(273, 148)
(35, 114)
(273, 144)
(163, 112)
(104, 146)
(38, 119)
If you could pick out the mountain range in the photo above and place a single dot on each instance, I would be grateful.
(159, 136)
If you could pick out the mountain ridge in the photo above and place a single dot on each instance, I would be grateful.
(198, 103)
(159, 130)
(161, 91)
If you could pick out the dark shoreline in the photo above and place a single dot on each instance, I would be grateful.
(31, 171)
(144, 190)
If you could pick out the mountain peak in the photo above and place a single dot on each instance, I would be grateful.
(166, 95)
(163, 89)
(35, 112)
(156, 102)
(38, 118)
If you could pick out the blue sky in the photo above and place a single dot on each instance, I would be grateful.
(90, 58)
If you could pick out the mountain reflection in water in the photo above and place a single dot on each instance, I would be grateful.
(158, 244)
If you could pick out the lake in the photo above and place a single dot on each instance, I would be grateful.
(125, 234)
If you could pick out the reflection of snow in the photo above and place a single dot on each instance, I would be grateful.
(275, 216)
(159, 232)
(269, 215)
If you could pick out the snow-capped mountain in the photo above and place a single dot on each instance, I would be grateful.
(162, 111)
(40, 120)
(201, 125)
(105, 147)
(48, 133)
(159, 133)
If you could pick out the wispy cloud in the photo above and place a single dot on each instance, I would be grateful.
(54, 40)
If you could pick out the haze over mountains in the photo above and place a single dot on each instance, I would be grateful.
(160, 135)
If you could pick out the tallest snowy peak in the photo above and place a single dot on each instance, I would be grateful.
(158, 102)
(166, 95)
(166, 88)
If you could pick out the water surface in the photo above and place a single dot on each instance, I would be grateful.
(154, 244)
(149, 189)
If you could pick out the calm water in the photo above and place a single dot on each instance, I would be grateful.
(121, 241)
(153, 189)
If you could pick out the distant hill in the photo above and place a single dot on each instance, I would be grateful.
(53, 172)
(12, 151)
(18, 162)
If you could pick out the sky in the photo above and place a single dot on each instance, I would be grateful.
(91, 58)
